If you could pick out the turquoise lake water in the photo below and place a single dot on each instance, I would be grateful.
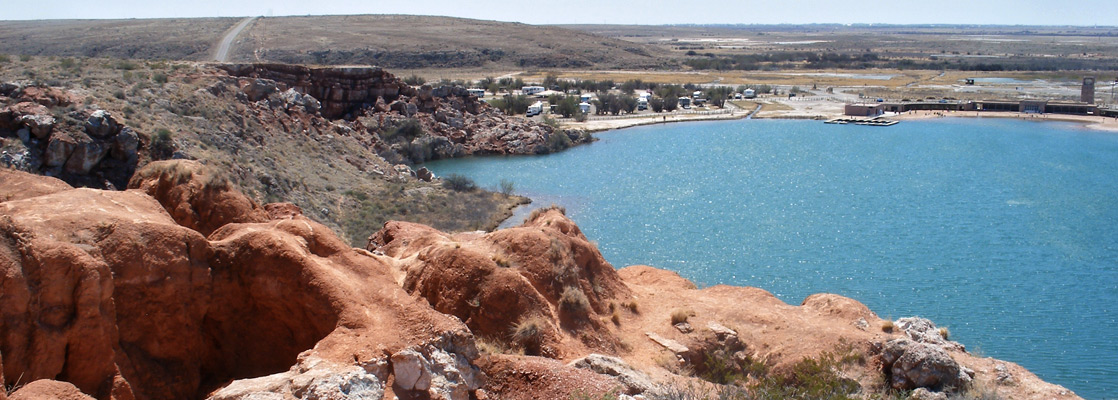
(1005, 231)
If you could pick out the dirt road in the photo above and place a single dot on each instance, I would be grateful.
(222, 54)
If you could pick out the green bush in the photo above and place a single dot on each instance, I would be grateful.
(25, 58)
(162, 145)
(459, 183)
(415, 80)
(405, 130)
(159, 78)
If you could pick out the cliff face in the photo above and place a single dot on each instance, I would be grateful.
(183, 288)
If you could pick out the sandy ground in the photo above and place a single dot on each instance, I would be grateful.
(820, 105)
(1090, 121)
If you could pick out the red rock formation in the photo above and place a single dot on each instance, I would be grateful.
(196, 197)
(530, 378)
(48, 389)
(106, 291)
(493, 281)
(340, 89)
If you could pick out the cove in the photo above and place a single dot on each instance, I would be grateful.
(1005, 231)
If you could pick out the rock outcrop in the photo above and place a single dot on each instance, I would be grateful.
(85, 147)
(105, 290)
(49, 389)
(910, 365)
(196, 197)
(453, 122)
(545, 270)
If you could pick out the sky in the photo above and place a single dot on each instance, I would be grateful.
(647, 12)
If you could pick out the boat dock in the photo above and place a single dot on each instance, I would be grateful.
(875, 121)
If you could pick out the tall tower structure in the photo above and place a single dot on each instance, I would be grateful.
(1087, 95)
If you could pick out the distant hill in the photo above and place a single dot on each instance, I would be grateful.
(173, 39)
(391, 41)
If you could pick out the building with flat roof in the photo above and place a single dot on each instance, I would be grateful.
(1087, 93)
(864, 110)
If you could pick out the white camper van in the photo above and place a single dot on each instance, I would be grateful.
(535, 109)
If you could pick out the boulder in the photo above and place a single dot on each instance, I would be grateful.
(101, 124)
(910, 365)
(424, 174)
(40, 125)
(18, 185)
(59, 149)
(124, 145)
(86, 155)
(634, 381)
(259, 89)
(49, 389)
(924, 331)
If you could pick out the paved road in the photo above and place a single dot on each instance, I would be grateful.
(227, 42)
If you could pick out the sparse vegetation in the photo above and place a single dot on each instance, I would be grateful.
(459, 183)
(506, 187)
(528, 334)
(887, 326)
(162, 145)
(574, 302)
(680, 316)
(944, 333)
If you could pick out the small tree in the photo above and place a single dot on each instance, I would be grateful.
(459, 183)
(506, 187)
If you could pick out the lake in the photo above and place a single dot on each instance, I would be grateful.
(1005, 231)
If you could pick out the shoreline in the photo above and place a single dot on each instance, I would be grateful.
(1094, 122)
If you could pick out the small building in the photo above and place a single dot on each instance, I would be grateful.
(864, 110)
(585, 98)
(684, 102)
(1087, 93)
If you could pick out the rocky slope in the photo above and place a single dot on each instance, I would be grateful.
(123, 295)
(337, 142)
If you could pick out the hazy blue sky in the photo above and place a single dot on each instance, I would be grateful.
(1018, 12)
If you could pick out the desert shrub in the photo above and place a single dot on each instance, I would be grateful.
(415, 80)
(527, 334)
(67, 63)
(5, 59)
(126, 65)
(405, 130)
(162, 144)
(501, 259)
(574, 302)
(887, 326)
(944, 333)
(680, 316)
(506, 187)
(159, 78)
(25, 58)
(539, 211)
(810, 378)
(558, 141)
(118, 94)
(547, 120)
(459, 183)
(632, 306)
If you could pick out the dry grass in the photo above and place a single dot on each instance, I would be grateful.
(528, 333)
(574, 302)
(944, 333)
(680, 315)
(888, 326)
